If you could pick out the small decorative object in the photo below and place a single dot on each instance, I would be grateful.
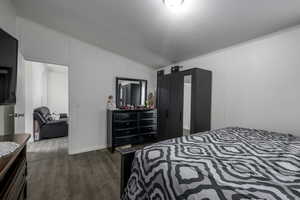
(141, 107)
(110, 103)
(175, 69)
(151, 100)
(55, 116)
(161, 73)
(7, 148)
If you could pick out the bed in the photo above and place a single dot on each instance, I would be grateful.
(230, 163)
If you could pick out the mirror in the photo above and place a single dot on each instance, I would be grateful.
(187, 101)
(131, 92)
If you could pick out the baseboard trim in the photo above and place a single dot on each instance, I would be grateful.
(87, 149)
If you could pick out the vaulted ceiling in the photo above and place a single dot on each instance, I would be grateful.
(148, 32)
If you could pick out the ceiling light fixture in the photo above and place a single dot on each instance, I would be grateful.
(173, 3)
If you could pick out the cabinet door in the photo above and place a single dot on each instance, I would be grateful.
(163, 85)
(175, 107)
(201, 101)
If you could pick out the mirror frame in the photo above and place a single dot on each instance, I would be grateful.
(129, 79)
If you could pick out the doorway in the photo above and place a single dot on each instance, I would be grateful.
(46, 107)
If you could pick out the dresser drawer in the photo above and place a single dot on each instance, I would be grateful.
(125, 132)
(22, 195)
(125, 116)
(148, 129)
(148, 122)
(17, 183)
(148, 114)
(124, 124)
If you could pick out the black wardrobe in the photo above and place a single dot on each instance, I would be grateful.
(170, 91)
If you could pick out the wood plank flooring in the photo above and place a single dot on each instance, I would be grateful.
(54, 175)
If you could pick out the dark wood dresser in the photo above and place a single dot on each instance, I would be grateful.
(126, 127)
(13, 170)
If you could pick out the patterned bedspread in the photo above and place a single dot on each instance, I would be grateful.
(230, 163)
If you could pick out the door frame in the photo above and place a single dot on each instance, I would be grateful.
(69, 96)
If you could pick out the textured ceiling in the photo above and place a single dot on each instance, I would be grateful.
(148, 32)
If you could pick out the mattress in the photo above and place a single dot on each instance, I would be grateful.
(230, 163)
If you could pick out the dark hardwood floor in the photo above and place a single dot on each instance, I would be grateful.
(54, 175)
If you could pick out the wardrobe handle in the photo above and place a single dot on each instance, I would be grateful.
(167, 113)
(180, 117)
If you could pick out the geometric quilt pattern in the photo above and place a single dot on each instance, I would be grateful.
(231, 163)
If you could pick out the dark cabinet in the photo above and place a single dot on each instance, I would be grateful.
(163, 97)
(175, 101)
(170, 92)
(130, 127)
(13, 170)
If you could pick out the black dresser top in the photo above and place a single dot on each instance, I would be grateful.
(136, 110)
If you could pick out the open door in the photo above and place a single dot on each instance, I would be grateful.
(19, 113)
(12, 118)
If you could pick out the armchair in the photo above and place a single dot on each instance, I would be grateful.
(47, 126)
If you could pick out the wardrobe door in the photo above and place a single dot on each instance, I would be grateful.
(176, 105)
(201, 101)
(163, 97)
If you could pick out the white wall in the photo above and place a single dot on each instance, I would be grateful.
(58, 89)
(256, 84)
(92, 73)
(39, 84)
